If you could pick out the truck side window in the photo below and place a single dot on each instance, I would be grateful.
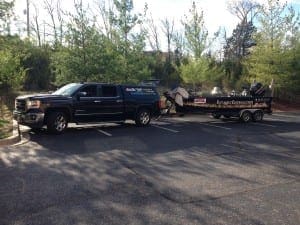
(91, 90)
(109, 91)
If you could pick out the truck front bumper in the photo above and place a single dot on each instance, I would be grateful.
(30, 119)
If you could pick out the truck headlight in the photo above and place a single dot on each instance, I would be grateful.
(33, 104)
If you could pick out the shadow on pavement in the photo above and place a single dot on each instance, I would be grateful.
(148, 176)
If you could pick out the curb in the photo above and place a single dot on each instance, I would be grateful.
(19, 135)
(15, 138)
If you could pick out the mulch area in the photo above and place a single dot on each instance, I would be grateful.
(6, 125)
(6, 119)
(282, 106)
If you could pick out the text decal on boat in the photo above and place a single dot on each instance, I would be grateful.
(200, 100)
(233, 102)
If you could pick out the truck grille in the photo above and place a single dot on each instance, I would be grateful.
(20, 105)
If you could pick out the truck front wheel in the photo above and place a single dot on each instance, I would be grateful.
(143, 117)
(57, 122)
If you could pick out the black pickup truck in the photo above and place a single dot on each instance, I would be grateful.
(86, 103)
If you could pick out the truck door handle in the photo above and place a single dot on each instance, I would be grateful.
(97, 101)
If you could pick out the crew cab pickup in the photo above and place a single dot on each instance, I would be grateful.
(87, 103)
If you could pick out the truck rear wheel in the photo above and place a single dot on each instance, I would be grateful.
(143, 117)
(57, 122)
(246, 116)
(258, 116)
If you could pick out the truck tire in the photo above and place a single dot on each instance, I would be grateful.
(57, 122)
(143, 117)
(246, 116)
(258, 116)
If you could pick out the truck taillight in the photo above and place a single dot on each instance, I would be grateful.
(161, 104)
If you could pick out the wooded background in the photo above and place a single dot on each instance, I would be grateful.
(110, 46)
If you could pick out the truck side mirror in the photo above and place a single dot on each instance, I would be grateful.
(81, 94)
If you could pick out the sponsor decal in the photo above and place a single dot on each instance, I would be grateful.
(130, 89)
(233, 102)
(140, 91)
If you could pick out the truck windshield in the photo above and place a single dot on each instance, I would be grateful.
(67, 90)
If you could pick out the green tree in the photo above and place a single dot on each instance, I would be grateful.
(10, 74)
(123, 18)
(6, 12)
(129, 43)
(194, 72)
(276, 55)
(196, 34)
(11, 71)
(238, 45)
(85, 54)
(36, 62)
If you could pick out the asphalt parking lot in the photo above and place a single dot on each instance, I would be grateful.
(179, 170)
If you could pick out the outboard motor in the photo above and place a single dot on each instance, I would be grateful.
(257, 89)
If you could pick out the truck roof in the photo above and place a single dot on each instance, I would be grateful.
(121, 85)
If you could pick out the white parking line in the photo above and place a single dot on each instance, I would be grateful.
(287, 116)
(272, 119)
(229, 146)
(160, 123)
(181, 120)
(104, 132)
(263, 124)
(163, 128)
(210, 125)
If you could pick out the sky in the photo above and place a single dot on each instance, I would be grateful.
(216, 14)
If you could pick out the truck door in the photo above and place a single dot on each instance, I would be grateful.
(87, 106)
(112, 103)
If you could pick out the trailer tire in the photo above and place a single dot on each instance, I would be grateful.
(258, 116)
(216, 115)
(246, 116)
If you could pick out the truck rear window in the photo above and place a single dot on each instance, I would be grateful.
(109, 91)
(140, 91)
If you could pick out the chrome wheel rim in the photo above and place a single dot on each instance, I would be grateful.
(246, 117)
(60, 123)
(144, 118)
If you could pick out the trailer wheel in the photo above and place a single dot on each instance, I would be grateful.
(216, 115)
(246, 116)
(258, 116)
